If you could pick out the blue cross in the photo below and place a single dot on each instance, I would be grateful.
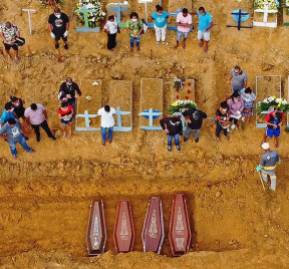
(119, 127)
(87, 118)
(151, 114)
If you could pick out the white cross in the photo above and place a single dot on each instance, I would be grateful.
(29, 12)
(266, 11)
(145, 2)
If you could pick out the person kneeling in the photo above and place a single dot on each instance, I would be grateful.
(173, 128)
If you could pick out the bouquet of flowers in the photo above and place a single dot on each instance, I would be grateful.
(272, 102)
(50, 2)
(181, 105)
(260, 4)
(90, 10)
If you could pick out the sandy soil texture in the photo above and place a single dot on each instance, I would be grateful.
(45, 197)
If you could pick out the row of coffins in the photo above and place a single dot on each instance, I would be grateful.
(153, 233)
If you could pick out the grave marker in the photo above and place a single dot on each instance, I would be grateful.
(151, 103)
(117, 90)
(29, 13)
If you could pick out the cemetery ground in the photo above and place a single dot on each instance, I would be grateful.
(45, 197)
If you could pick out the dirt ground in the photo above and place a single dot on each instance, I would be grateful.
(45, 197)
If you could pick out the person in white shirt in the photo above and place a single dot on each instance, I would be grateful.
(106, 123)
(111, 28)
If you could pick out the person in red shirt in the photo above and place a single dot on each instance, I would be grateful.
(65, 113)
(274, 121)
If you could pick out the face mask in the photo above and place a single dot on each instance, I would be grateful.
(57, 15)
(134, 20)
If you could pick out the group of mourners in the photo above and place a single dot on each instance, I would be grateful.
(58, 25)
(235, 109)
(184, 25)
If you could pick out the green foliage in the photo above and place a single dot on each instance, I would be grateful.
(181, 105)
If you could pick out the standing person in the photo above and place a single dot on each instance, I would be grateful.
(107, 122)
(8, 113)
(135, 27)
(222, 120)
(236, 107)
(111, 28)
(69, 91)
(11, 39)
(194, 120)
(267, 166)
(274, 121)
(36, 115)
(65, 113)
(58, 26)
(14, 135)
(160, 18)
(249, 98)
(18, 106)
(184, 24)
(238, 79)
(173, 127)
(204, 28)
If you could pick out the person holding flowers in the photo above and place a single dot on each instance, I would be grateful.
(236, 107)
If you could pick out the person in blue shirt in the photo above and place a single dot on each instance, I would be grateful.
(204, 28)
(7, 113)
(14, 135)
(160, 18)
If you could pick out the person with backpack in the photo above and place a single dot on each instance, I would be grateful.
(58, 23)
(136, 29)
(173, 127)
(14, 135)
(10, 35)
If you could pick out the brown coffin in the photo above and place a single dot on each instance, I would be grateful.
(124, 233)
(153, 233)
(180, 235)
(96, 233)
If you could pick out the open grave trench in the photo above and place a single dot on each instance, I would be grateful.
(51, 213)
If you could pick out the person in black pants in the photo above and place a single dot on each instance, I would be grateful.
(111, 28)
(59, 25)
(36, 115)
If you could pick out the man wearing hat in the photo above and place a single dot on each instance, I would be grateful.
(267, 166)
